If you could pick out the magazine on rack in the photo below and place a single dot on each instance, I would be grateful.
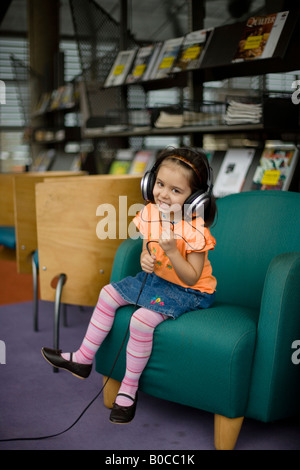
(122, 162)
(233, 171)
(142, 162)
(276, 167)
(260, 37)
(166, 58)
(143, 63)
(120, 68)
(192, 50)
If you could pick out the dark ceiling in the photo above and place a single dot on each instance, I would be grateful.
(148, 19)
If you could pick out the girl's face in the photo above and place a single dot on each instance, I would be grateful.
(172, 187)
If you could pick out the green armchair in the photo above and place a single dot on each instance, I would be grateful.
(235, 358)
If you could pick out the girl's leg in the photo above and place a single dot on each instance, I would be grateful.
(99, 326)
(139, 347)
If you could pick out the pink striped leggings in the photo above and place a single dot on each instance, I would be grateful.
(139, 346)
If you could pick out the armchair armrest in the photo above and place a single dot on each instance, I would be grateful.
(275, 385)
(127, 259)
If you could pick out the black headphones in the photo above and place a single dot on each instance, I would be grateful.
(196, 202)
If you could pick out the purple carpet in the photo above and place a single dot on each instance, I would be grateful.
(35, 402)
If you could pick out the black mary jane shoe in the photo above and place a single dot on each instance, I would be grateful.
(123, 414)
(54, 357)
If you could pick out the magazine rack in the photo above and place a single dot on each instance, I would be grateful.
(97, 61)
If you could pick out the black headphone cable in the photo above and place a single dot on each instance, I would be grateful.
(98, 394)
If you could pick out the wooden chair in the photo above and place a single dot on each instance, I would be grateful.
(25, 224)
(72, 216)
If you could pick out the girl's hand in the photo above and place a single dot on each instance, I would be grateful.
(167, 242)
(147, 261)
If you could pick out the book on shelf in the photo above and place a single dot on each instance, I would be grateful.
(142, 162)
(167, 119)
(143, 63)
(43, 104)
(276, 167)
(44, 160)
(68, 98)
(122, 162)
(233, 171)
(260, 36)
(192, 50)
(56, 97)
(60, 98)
(120, 68)
(63, 97)
(168, 54)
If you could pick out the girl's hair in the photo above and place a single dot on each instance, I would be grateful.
(198, 165)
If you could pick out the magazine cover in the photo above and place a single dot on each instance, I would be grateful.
(143, 63)
(142, 162)
(166, 58)
(192, 50)
(120, 68)
(233, 171)
(43, 105)
(276, 168)
(122, 162)
(260, 37)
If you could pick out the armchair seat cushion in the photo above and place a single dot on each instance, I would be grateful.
(189, 344)
(8, 237)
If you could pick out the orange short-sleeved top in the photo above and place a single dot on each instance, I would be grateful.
(190, 236)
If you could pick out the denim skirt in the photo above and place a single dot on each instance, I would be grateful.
(154, 293)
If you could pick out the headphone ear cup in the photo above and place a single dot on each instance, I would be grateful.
(147, 184)
(196, 203)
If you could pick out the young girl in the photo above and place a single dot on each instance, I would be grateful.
(174, 256)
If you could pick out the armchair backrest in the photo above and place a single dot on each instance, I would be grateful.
(250, 230)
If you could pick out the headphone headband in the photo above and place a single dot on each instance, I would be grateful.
(190, 164)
